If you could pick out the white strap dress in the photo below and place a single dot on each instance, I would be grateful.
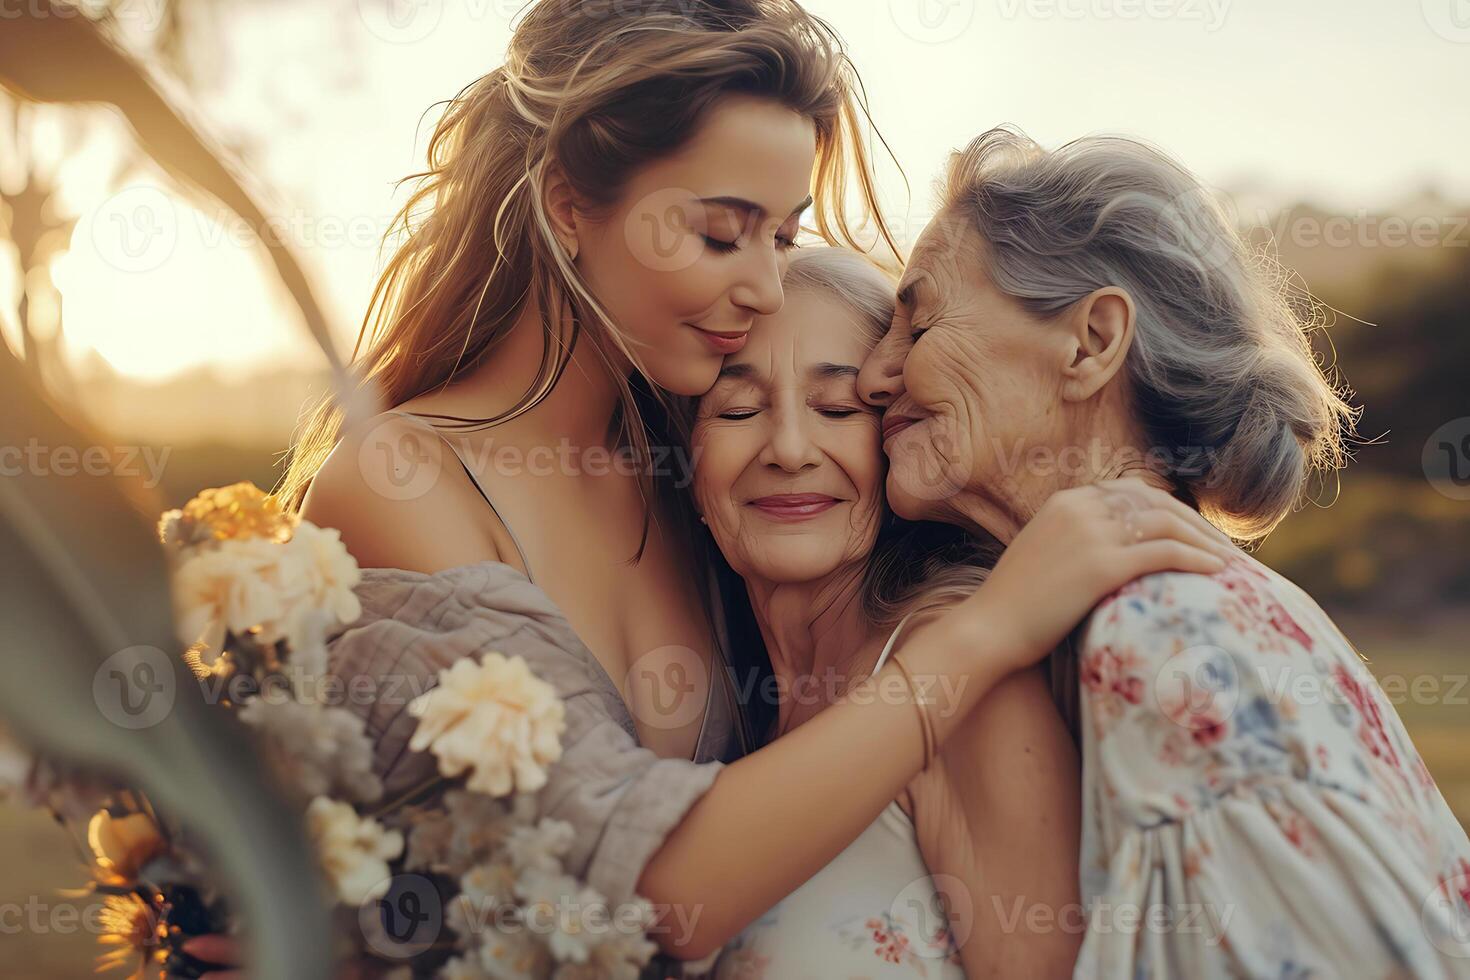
(870, 914)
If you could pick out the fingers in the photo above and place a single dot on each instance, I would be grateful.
(1146, 497)
(1168, 555)
(1155, 524)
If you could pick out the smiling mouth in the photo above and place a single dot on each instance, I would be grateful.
(794, 506)
(723, 342)
(894, 424)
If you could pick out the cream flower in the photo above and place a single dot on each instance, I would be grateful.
(484, 891)
(323, 750)
(325, 573)
(466, 830)
(515, 954)
(294, 590)
(354, 850)
(622, 956)
(234, 586)
(558, 906)
(495, 720)
(541, 846)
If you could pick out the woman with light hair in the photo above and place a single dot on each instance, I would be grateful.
(1252, 805)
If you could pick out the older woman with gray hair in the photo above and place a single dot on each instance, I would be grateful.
(1252, 805)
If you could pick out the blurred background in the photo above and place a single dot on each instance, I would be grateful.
(1336, 132)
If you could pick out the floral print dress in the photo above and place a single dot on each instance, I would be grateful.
(1252, 804)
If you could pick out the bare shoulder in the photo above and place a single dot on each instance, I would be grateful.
(400, 499)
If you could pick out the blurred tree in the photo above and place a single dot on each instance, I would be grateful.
(84, 580)
(51, 55)
(33, 218)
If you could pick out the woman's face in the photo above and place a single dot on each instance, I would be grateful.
(788, 471)
(969, 383)
(695, 248)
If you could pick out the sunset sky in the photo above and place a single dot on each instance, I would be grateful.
(1355, 104)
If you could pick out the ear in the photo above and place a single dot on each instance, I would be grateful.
(1100, 331)
(561, 208)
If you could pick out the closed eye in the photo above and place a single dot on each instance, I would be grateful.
(736, 414)
(839, 413)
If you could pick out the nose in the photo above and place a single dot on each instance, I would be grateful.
(880, 380)
(759, 289)
(790, 446)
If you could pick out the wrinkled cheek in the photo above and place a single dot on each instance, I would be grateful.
(865, 523)
(929, 462)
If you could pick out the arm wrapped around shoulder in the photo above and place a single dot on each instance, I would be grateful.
(1251, 803)
(621, 800)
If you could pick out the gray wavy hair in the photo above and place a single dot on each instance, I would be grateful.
(1222, 371)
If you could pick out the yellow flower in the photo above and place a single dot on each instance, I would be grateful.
(241, 510)
(354, 851)
(133, 935)
(494, 719)
(122, 845)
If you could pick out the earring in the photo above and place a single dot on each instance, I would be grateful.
(703, 519)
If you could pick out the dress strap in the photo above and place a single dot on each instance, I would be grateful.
(525, 563)
(888, 647)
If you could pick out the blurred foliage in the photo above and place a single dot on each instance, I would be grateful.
(1381, 538)
(84, 586)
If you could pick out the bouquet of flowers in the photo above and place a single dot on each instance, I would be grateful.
(257, 592)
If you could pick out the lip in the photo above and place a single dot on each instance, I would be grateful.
(727, 342)
(794, 506)
(894, 424)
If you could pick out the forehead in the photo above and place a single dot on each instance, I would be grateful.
(811, 330)
(744, 148)
(946, 255)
